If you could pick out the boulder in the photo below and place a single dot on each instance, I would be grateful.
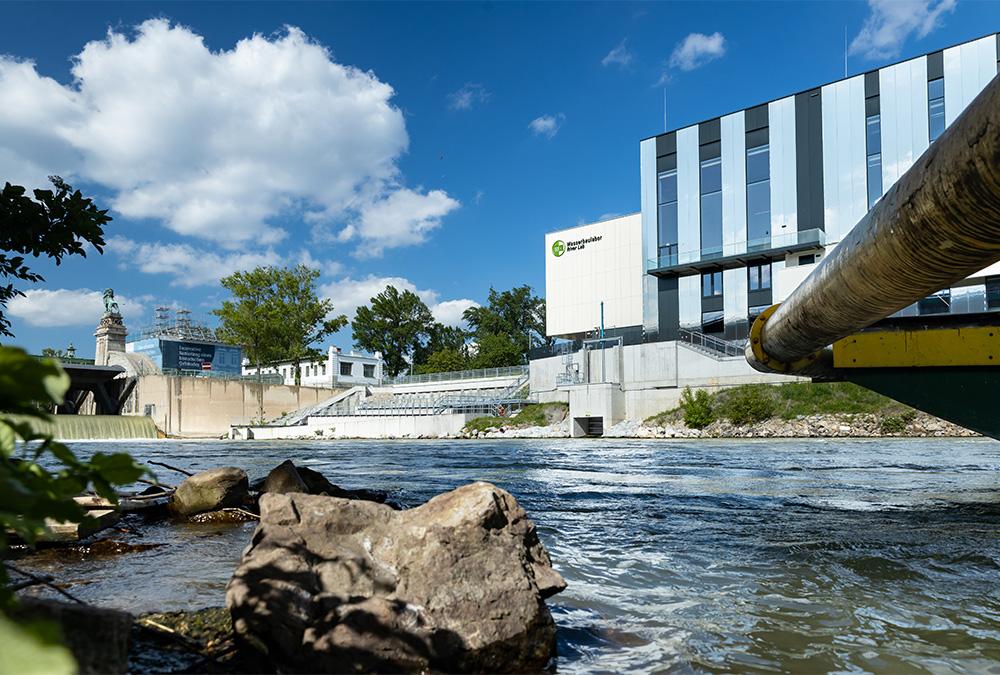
(319, 485)
(283, 479)
(337, 585)
(98, 638)
(210, 491)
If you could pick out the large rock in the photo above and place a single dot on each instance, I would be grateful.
(319, 485)
(98, 638)
(457, 584)
(283, 479)
(210, 491)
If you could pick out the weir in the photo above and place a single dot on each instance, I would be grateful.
(83, 427)
(937, 225)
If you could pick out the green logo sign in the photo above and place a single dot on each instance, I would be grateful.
(558, 247)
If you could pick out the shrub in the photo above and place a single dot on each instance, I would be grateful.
(896, 424)
(697, 407)
(748, 404)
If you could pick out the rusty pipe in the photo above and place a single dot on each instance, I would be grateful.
(937, 225)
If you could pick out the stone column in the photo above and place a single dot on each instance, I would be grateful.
(110, 336)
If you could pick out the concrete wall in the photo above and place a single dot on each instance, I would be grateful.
(364, 426)
(448, 385)
(207, 407)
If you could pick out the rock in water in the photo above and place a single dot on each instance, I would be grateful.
(211, 490)
(337, 585)
(283, 479)
(319, 484)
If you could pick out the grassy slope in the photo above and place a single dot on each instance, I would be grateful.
(532, 415)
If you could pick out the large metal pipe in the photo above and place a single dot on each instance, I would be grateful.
(937, 225)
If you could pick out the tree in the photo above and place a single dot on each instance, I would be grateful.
(276, 314)
(52, 353)
(441, 338)
(516, 313)
(54, 224)
(396, 324)
(445, 360)
(498, 351)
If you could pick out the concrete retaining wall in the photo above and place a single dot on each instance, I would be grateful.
(203, 407)
(363, 426)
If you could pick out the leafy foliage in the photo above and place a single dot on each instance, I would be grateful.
(531, 415)
(56, 223)
(445, 360)
(498, 351)
(697, 408)
(516, 313)
(396, 324)
(896, 424)
(747, 404)
(276, 314)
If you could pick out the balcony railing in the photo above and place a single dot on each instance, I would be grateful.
(482, 373)
(737, 253)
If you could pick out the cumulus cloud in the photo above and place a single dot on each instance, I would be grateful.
(619, 56)
(215, 145)
(547, 125)
(891, 22)
(403, 218)
(63, 307)
(467, 96)
(189, 266)
(347, 294)
(697, 49)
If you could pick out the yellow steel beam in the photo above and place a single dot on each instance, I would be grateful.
(935, 347)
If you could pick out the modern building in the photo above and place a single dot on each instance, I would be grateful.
(737, 210)
(336, 370)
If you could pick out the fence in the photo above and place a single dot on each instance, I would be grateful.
(267, 378)
(481, 373)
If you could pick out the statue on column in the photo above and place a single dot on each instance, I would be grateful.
(110, 305)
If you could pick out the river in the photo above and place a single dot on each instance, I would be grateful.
(799, 555)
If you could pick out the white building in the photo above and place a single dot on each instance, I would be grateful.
(338, 369)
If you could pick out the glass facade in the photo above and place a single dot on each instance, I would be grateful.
(873, 145)
(711, 207)
(935, 108)
(759, 277)
(758, 197)
(993, 292)
(939, 303)
(711, 284)
(712, 322)
(667, 208)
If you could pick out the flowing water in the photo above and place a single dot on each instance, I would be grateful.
(805, 555)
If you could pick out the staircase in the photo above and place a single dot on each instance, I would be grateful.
(711, 346)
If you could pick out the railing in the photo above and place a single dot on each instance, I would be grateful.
(813, 237)
(70, 360)
(481, 373)
(711, 343)
(267, 378)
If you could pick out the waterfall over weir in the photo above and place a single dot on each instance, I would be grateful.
(80, 427)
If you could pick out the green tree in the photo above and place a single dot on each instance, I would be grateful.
(52, 353)
(498, 351)
(396, 324)
(516, 313)
(445, 360)
(276, 314)
(697, 407)
(38, 480)
(56, 223)
(440, 338)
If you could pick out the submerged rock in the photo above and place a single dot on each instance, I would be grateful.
(287, 478)
(210, 491)
(283, 479)
(456, 584)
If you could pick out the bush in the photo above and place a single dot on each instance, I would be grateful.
(748, 404)
(697, 407)
(896, 424)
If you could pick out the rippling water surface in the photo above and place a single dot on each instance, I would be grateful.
(806, 555)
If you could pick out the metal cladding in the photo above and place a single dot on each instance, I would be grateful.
(937, 225)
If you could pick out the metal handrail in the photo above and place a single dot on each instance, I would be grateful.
(480, 373)
(710, 342)
(809, 237)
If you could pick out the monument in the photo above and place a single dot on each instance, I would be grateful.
(110, 332)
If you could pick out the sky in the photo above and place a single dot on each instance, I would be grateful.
(428, 146)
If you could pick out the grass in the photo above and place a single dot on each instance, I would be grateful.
(531, 415)
(757, 402)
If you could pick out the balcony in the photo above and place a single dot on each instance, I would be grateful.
(737, 254)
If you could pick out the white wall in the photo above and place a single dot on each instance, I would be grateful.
(362, 426)
(650, 231)
(781, 138)
(903, 111)
(734, 184)
(688, 199)
(968, 69)
(845, 189)
(608, 270)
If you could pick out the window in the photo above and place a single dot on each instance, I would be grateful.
(755, 311)
(808, 259)
(369, 370)
(939, 303)
(345, 368)
(993, 292)
(712, 322)
(873, 140)
(711, 207)
(935, 107)
(758, 197)
(760, 277)
(711, 284)
(322, 369)
(667, 200)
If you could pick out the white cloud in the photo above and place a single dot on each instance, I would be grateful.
(619, 56)
(697, 49)
(547, 125)
(891, 22)
(215, 145)
(404, 218)
(348, 294)
(63, 307)
(189, 266)
(468, 95)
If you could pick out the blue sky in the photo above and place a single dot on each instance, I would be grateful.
(429, 146)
